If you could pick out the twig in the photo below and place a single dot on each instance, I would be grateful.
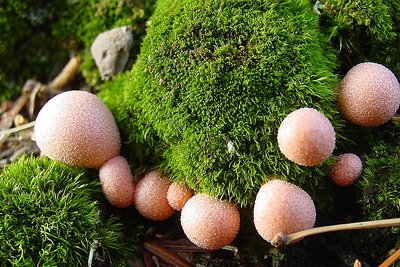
(389, 261)
(66, 75)
(95, 245)
(165, 255)
(23, 127)
(39, 87)
(281, 239)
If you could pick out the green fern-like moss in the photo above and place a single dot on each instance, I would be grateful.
(49, 216)
(213, 82)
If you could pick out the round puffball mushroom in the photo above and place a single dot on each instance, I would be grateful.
(306, 137)
(117, 182)
(282, 207)
(178, 194)
(209, 222)
(369, 94)
(151, 197)
(77, 129)
(346, 169)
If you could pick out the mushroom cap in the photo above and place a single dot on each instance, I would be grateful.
(178, 194)
(77, 129)
(346, 169)
(151, 196)
(209, 222)
(306, 137)
(369, 94)
(282, 207)
(117, 182)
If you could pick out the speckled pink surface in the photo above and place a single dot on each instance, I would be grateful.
(369, 94)
(306, 137)
(210, 223)
(117, 182)
(282, 207)
(151, 197)
(346, 169)
(76, 128)
(178, 194)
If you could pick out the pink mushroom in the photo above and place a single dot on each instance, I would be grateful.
(346, 169)
(209, 222)
(76, 128)
(282, 207)
(117, 182)
(178, 194)
(151, 196)
(369, 94)
(306, 137)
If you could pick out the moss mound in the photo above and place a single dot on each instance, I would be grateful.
(213, 82)
(49, 216)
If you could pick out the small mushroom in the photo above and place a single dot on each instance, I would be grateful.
(346, 169)
(306, 137)
(76, 128)
(178, 194)
(209, 222)
(151, 196)
(282, 207)
(369, 94)
(117, 182)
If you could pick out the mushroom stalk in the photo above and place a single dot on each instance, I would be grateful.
(281, 239)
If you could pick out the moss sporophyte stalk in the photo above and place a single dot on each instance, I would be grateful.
(215, 77)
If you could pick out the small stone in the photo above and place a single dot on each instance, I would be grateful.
(110, 51)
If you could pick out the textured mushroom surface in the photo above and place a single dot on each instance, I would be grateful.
(117, 182)
(306, 137)
(151, 196)
(282, 207)
(76, 128)
(178, 194)
(346, 169)
(209, 222)
(369, 94)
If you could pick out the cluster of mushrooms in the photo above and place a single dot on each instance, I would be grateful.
(76, 128)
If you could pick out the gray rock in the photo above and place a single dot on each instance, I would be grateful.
(110, 51)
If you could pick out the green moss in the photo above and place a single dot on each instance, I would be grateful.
(213, 82)
(367, 30)
(49, 216)
(380, 182)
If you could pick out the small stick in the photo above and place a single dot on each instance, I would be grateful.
(389, 261)
(281, 239)
(66, 75)
(165, 254)
(23, 127)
